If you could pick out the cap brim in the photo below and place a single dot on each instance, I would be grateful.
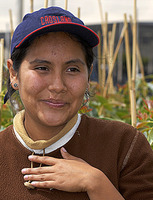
(82, 31)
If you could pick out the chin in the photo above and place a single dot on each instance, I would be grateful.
(54, 121)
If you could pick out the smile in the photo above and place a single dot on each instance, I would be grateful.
(54, 103)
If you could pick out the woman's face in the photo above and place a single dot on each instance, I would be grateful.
(52, 79)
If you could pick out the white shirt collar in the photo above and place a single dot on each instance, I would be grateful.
(61, 142)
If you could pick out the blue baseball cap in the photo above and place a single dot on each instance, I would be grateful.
(51, 19)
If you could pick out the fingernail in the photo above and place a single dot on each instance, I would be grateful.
(34, 183)
(31, 156)
(23, 170)
(26, 177)
(64, 150)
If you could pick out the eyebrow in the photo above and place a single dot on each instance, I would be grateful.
(73, 61)
(40, 61)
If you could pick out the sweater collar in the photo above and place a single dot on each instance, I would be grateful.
(40, 144)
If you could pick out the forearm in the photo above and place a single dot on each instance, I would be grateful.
(101, 188)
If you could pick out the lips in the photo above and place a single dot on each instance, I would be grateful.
(55, 103)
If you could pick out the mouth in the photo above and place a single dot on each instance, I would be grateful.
(54, 103)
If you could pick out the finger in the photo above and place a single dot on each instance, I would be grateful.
(68, 156)
(43, 184)
(42, 177)
(43, 159)
(38, 170)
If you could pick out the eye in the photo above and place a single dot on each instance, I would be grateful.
(42, 68)
(73, 69)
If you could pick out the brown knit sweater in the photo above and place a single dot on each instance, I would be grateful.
(117, 149)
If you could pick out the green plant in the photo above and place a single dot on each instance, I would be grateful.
(114, 106)
(6, 114)
(145, 124)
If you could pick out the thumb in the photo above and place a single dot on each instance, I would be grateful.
(68, 156)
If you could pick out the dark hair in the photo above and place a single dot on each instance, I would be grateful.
(17, 57)
(19, 54)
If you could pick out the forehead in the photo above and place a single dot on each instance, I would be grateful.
(56, 41)
(57, 38)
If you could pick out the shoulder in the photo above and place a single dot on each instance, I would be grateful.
(112, 136)
(116, 139)
(109, 128)
(4, 135)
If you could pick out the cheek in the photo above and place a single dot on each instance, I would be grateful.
(78, 88)
(30, 83)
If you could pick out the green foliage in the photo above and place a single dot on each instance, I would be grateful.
(116, 106)
(145, 124)
(8, 110)
(6, 118)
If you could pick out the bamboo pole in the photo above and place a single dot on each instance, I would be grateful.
(11, 22)
(106, 30)
(104, 52)
(31, 6)
(119, 43)
(46, 4)
(79, 12)
(127, 50)
(134, 47)
(133, 95)
(133, 107)
(66, 4)
(1, 72)
(112, 66)
(113, 39)
(138, 53)
(1, 62)
(109, 43)
(111, 52)
(99, 60)
(105, 49)
(103, 63)
(114, 60)
(101, 13)
(128, 64)
(110, 60)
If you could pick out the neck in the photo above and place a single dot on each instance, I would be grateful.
(37, 131)
(44, 136)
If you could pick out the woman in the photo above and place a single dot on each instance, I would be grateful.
(52, 152)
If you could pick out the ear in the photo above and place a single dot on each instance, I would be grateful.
(13, 75)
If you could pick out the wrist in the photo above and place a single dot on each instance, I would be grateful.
(93, 180)
(100, 187)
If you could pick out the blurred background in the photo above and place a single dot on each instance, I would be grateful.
(89, 10)
(90, 14)
(121, 84)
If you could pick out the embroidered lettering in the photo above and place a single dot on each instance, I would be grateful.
(62, 18)
(54, 19)
(67, 19)
(46, 20)
(58, 19)
(50, 20)
(42, 22)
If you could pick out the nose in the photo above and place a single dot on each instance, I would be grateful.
(57, 84)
